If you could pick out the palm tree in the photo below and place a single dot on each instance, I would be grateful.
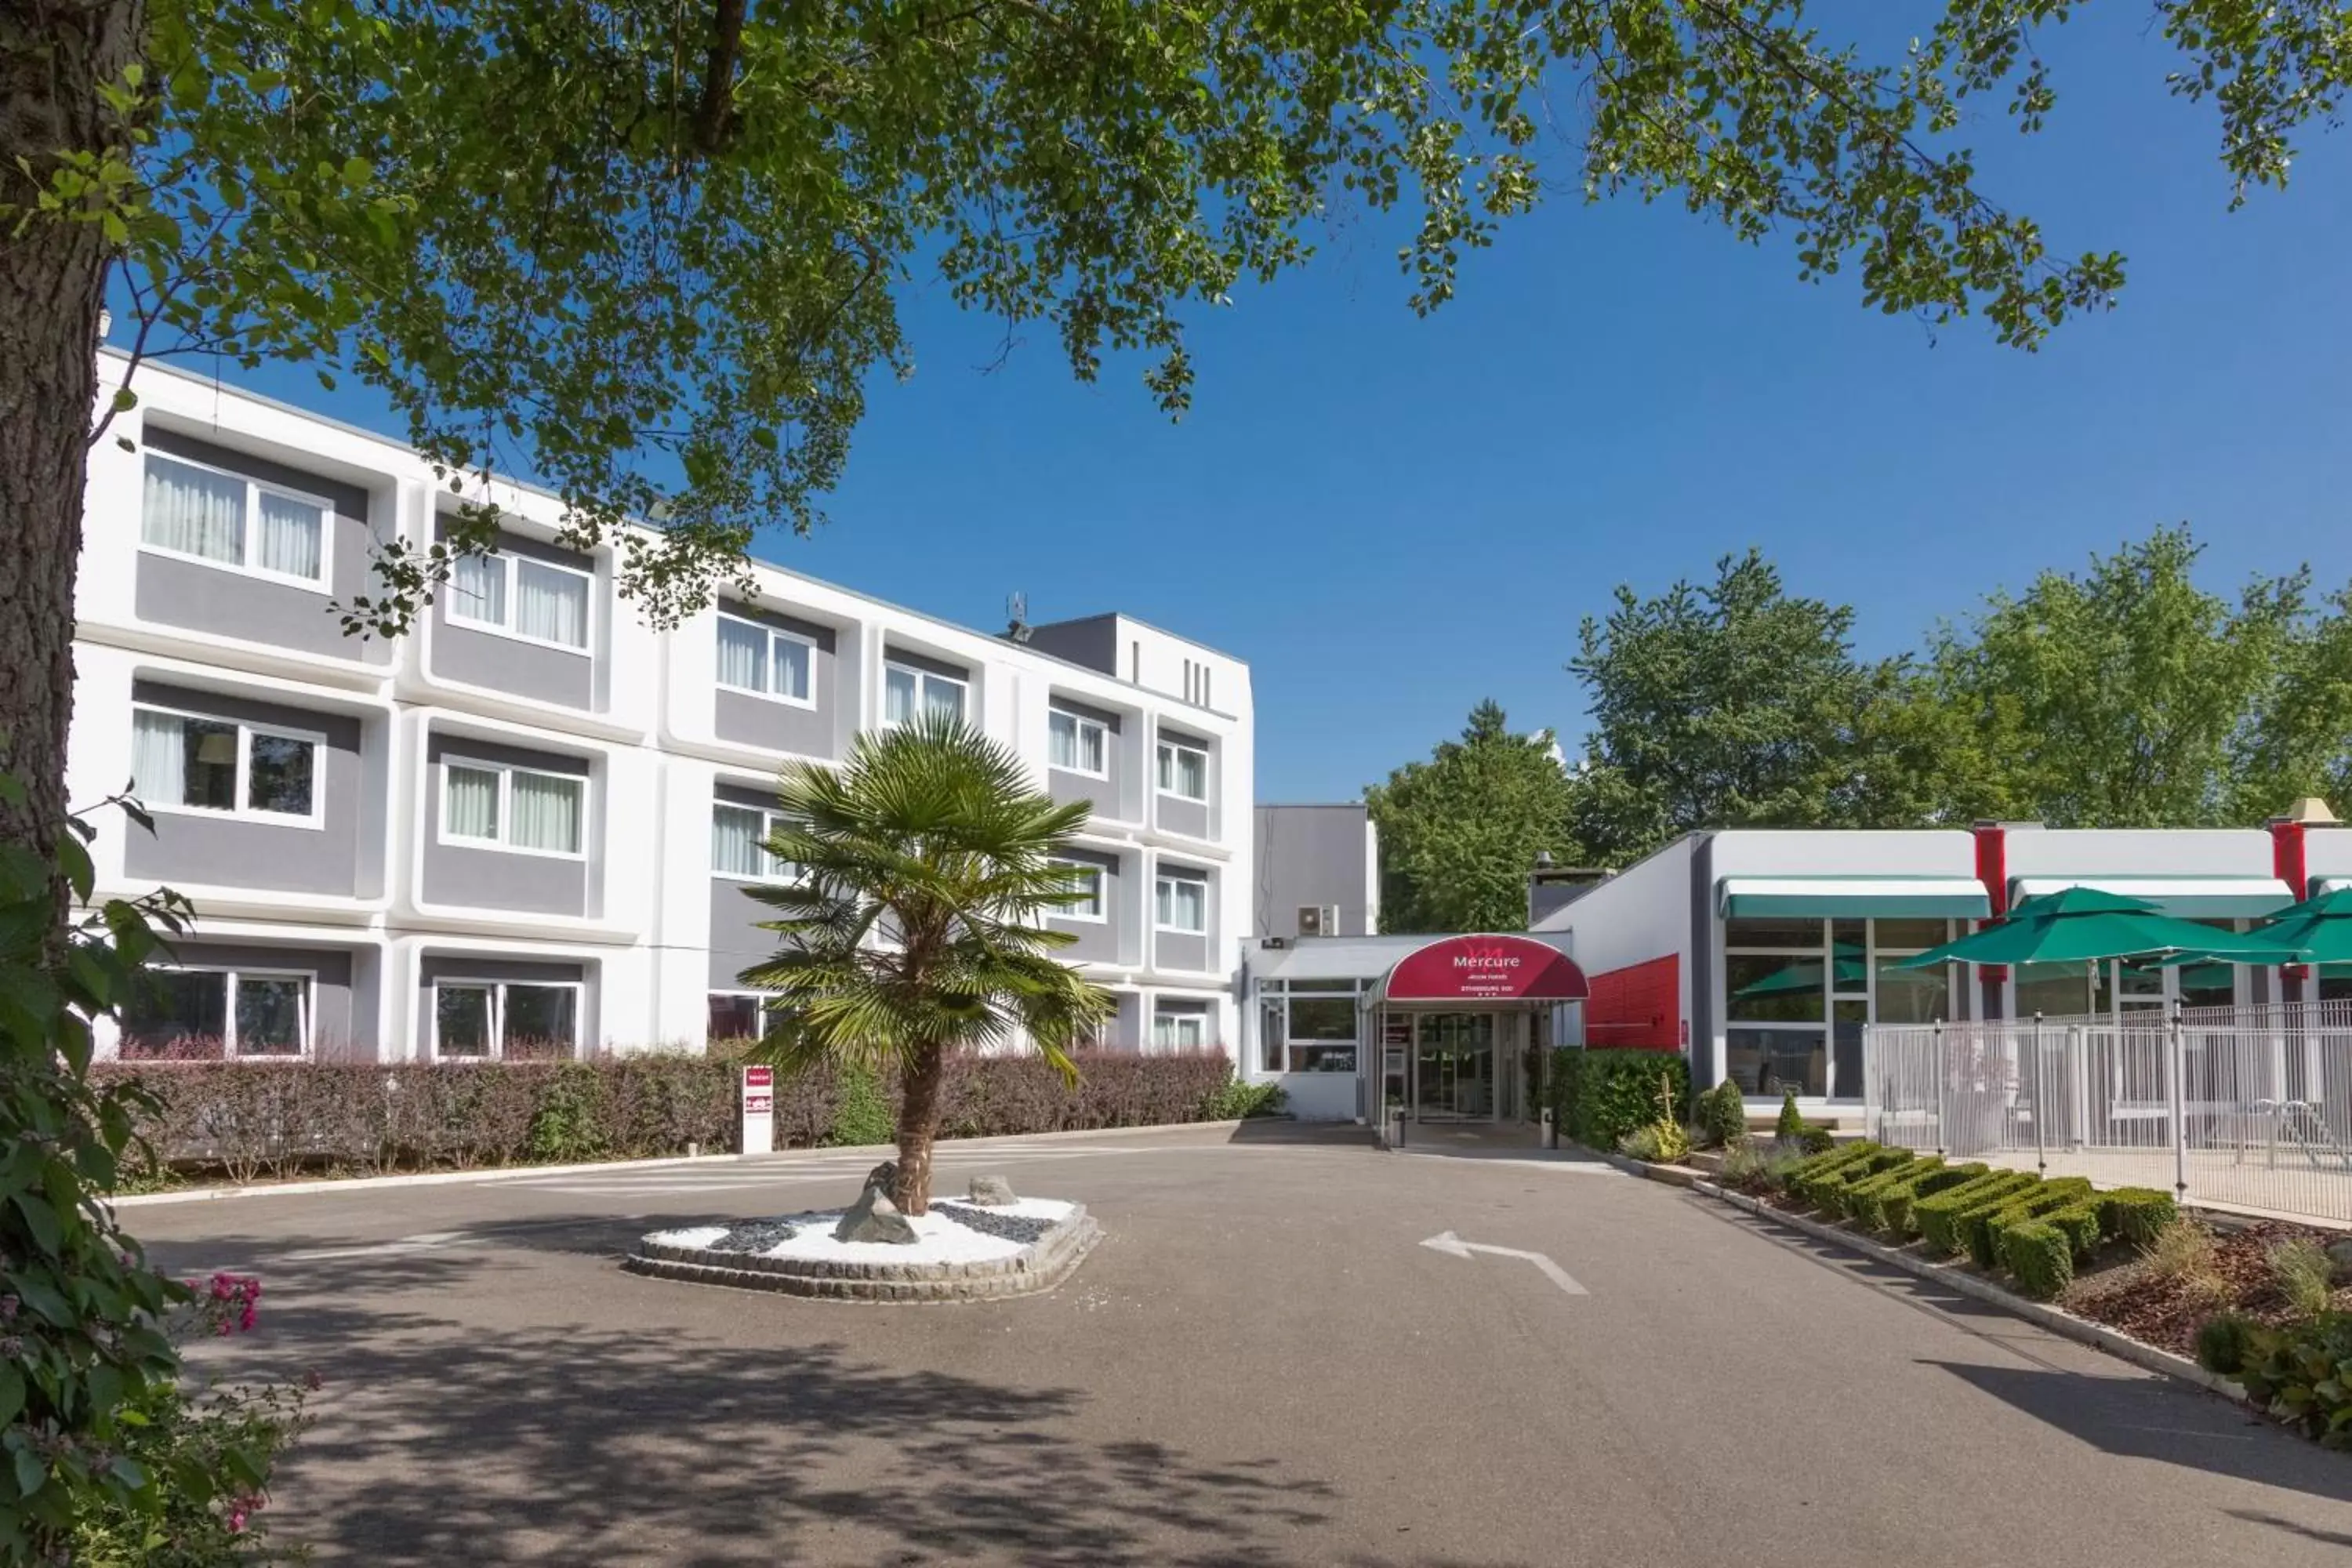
(912, 920)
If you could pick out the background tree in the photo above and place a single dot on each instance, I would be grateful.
(912, 927)
(1722, 705)
(2300, 740)
(2130, 697)
(1458, 832)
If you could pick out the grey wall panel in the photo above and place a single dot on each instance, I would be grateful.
(331, 991)
(1129, 1029)
(1310, 855)
(1099, 941)
(743, 720)
(497, 663)
(736, 940)
(1069, 788)
(1178, 814)
(223, 850)
(1179, 950)
(177, 592)
(499, 878)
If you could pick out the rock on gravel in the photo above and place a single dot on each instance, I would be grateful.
(1022, 1228)
(755, 1235)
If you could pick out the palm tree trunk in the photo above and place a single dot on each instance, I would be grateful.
(918, 1128)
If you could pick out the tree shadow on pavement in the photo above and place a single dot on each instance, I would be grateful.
(440, 1441)
(2150, 1418)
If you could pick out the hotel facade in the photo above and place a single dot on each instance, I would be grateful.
(527, 826)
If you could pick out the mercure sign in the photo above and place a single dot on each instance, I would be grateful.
(1485, 969)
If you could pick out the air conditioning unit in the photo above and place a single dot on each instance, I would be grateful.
(1318, 920)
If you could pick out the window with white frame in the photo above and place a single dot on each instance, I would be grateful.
(498, 805)
(184, 762)
(1078, 744)
(495, 1020)
(1799, 991)
(766, 661)
(907, 692)
(208, 514)
(1180, 1028)
(241, 1012)
(1309, 1025)
(1182, 903)
(739, 837)
(741, 1015)
(1183, 771)
(1084, 877)
(537, 601)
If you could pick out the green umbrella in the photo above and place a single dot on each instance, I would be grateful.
(1805, 975)
(2079, 925)
(2318, 931)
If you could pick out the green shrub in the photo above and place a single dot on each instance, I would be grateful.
(1827, 1189)
(1791, 1125)
(1599, 1096)
(1746, 1167)
(2223, 1341)
(2302, 1376)
(1236, 1100)
(1982, 1228)
(1641, 1144)
(1939, 1217)
(1864, 1201)
(1723, 1115)
(1897, 1204)
(569, 1125)
(861, 1111)
(1797, 1168)
(2136, 1214)
(1815, 1138)
(2040, 1256)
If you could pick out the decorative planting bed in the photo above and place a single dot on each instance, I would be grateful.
(961, 1252)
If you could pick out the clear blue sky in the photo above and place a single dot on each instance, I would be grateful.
(1393, 518)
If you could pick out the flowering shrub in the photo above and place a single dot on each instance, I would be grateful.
(246, 1121)
(211, 1452)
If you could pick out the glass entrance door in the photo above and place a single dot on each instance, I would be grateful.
(1453, 1066)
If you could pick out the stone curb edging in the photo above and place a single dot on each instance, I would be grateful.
(1672, 1175)
(1033, 1270)
(2063, 1323)
(518, 1172)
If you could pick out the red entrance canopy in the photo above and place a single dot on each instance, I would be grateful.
(1489, 969)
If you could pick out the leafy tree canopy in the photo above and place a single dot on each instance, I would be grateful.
(651, 253)
(1458, 833)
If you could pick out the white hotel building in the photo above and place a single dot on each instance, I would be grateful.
(533, 819)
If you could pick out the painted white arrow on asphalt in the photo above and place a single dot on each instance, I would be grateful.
(1453, 1246)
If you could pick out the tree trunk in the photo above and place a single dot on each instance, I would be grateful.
(918, 1128)
(53, 57)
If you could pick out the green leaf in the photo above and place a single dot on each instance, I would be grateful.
(40, 1219)
(12, 1393)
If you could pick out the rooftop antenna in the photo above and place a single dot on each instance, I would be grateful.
(1016, 611)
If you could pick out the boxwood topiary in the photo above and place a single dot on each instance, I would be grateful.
(2223, 1341)
(2040, 1256)
(1723, 1114)
(2136, 1214)
(1859, 1200)
(1982, 1228)
(1791, 1125)
(1897, 1204)
(1939, 1216)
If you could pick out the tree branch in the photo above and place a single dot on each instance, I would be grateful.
(712, 117)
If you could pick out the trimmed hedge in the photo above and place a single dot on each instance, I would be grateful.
(245, 1121)
(2136, 1214)
(1859, 1200)
(2040, 1255)
(1983, 1229)
(1599, 1096)
(1824, 1189)
(1896, 1203)
(1939, 1217)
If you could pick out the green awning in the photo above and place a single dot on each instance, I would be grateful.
(1855, 898)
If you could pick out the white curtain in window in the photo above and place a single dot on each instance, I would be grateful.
(292, 537)
(477, 588)
(743, 656)
(735, 834)
(546, 812)
(897, 696)
(1183, 904)
(191, 510)
(1091, 739)
(942, 699)
(471, 803)
(792, 669)
(159, 765)
(1064, 732)
(550, 604)
(1191, 774)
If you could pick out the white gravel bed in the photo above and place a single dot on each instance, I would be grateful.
(940, 1238)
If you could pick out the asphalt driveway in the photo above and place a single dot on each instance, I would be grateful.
(1261, 1365)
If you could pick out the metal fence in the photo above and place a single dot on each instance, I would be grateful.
(2249, 1108)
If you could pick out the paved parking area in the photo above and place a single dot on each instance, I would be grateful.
(1261, 1365)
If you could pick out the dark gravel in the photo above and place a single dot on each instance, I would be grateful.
(755, 1235)
(988, 1222)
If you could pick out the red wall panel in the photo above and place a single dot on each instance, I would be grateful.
(1638, 1006)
